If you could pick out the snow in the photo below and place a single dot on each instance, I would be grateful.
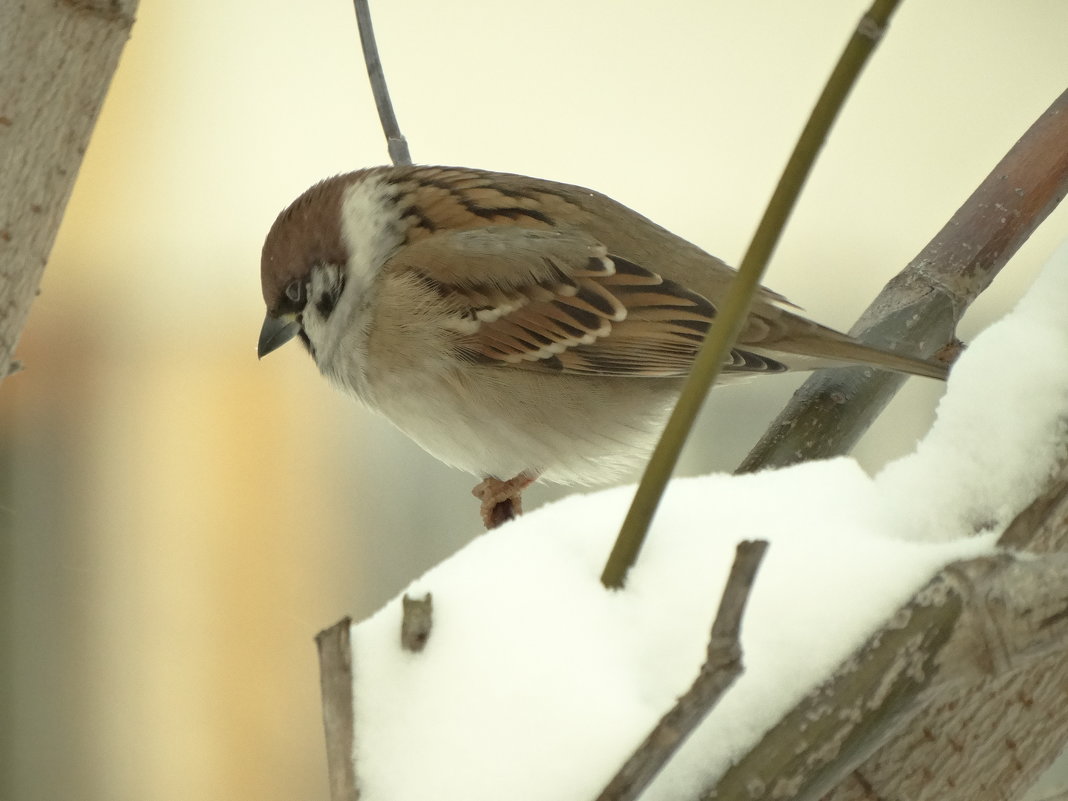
(537, 683)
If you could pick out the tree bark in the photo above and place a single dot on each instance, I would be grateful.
(985, 621)
(56, 62)
(990, 738)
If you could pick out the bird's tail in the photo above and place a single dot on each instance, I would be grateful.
(840, 350)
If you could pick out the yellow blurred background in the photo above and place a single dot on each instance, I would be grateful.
(178, 519)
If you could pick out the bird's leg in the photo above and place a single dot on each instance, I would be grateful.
(501, 500)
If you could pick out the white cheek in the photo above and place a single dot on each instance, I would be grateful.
(340, 340)
(371, 231)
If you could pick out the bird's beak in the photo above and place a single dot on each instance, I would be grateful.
(276, 332)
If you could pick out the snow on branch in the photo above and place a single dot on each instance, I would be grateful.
(723, 664)
(879, 595)
(883, 605)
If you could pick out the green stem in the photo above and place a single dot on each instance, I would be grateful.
(722, 335)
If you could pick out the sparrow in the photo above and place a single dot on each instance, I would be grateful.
(516, 328)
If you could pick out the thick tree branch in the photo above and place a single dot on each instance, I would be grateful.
(984, 619)
(56, 62)
(992, 737)
(924, 303)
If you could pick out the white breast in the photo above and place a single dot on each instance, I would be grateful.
(498, 421)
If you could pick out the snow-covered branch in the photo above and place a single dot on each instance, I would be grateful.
(534, 670)
(885, 623)
(982, 619)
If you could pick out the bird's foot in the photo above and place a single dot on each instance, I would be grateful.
(501, 500)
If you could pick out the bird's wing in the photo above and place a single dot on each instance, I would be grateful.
(558, 300)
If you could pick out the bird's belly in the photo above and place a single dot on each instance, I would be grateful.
(500, 421)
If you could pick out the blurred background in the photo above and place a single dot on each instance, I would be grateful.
(177, 520)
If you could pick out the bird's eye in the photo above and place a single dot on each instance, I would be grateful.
(295, 291)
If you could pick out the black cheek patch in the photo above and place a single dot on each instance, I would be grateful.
(325, 304)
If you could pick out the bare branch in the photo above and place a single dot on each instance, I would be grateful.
(923, 304)
(339, 717)
(978, 620)
(1017, 721)
(710, 357)
(417, 621)
(65, 53)
(398, 145)
(723, 665)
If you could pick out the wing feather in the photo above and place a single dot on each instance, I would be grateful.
(557, 300)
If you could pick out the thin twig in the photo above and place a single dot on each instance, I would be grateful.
(339, 715)
(721, 336)
(723, 665)
(398, 145)
(417, 621)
